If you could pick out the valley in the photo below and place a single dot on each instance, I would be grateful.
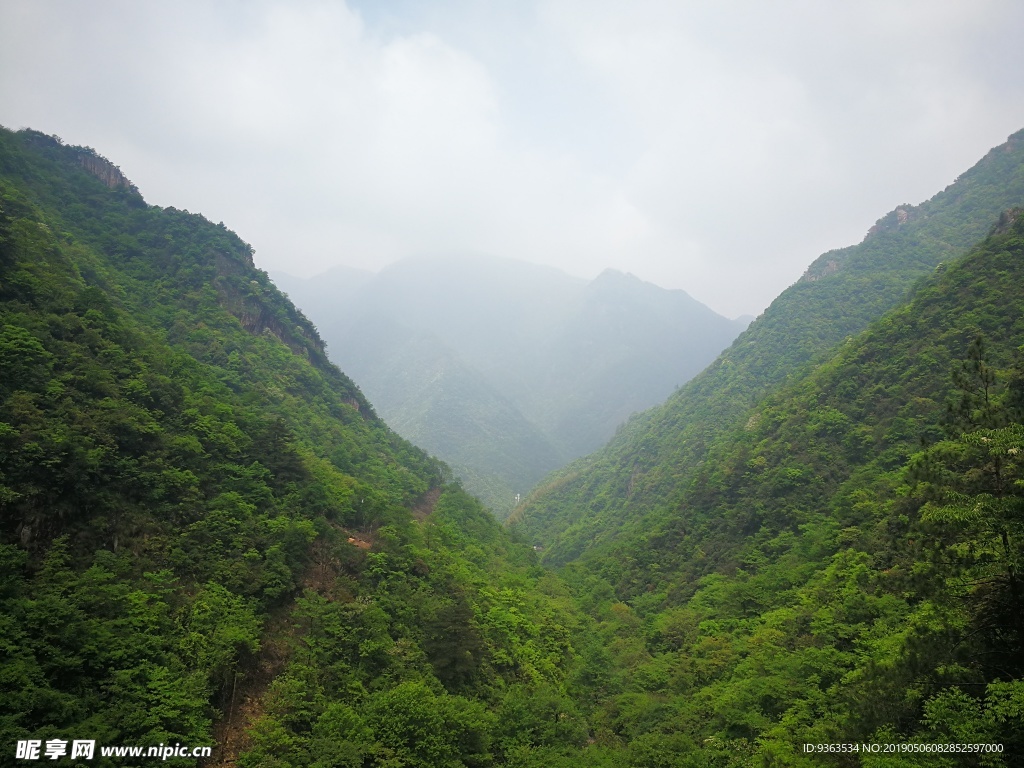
(508, 370)
(224, 520)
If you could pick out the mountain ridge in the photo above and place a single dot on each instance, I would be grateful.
(799, 328)
(205, 528)
(207, 532)
(573, 358)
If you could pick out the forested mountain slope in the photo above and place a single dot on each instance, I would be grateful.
(432, 397)
(845, 568)
(505, 369)
(650, 463)
(209, 538)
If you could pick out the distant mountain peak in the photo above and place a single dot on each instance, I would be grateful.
(615, 274)
(549, 364)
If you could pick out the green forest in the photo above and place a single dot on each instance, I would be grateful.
(210, 538)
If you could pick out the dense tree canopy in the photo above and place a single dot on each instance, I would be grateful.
(199, 511)
(208, 537)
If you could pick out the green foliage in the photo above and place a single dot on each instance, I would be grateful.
(626, 489)
(197, 510)
(178, 462)
(836, 559)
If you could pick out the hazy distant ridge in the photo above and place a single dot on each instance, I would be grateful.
(507, 369)
(840, 294)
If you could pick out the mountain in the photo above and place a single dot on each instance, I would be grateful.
(433, 398)
(207, 536)
(649, 465)
(628, 345)
(504, 369)
(835, 560)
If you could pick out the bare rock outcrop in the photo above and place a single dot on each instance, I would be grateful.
(105, 171)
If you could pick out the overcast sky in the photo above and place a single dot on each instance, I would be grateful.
(717, 147)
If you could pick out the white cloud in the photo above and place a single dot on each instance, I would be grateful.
(717, 147)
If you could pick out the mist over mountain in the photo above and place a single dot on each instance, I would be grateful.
(432, 397)
(822, 531)
(336, 285)
(209, 537)
(205, 528)
(458, 352)
(839, 295)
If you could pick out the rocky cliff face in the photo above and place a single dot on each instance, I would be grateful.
(105, 171)
(818, 271)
